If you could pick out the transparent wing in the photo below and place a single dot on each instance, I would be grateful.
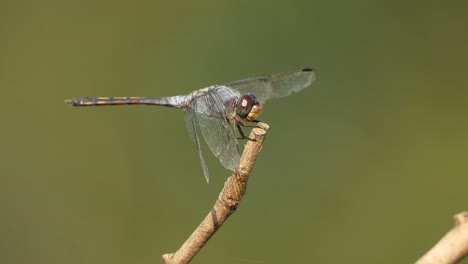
(191, 124)
(276, 85)
(217, 130)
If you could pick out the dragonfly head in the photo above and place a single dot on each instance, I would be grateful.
(248, 107)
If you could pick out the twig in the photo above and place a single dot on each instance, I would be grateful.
(228, 200)
(453, 246)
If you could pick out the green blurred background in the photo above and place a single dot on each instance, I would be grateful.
(366, 166)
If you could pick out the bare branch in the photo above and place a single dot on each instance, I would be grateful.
(228, 200)
(453, 246)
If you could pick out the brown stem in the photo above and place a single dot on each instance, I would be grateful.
(228, 200)
(453, 246)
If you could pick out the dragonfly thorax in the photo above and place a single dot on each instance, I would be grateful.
(248, 107)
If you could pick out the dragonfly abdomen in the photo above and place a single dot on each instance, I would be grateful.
(98, 101)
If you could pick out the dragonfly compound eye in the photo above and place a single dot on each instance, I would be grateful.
(248, 107)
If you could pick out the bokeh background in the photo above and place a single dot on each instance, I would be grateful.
(366, 166)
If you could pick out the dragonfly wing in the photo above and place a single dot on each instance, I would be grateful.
(276, 85)
(217, 130)
(191, 124)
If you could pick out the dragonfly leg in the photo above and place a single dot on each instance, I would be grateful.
(253, 121)
(239, 126)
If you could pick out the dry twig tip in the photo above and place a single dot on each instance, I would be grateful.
(228, 200)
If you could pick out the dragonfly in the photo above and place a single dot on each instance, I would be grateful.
(219, 112)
